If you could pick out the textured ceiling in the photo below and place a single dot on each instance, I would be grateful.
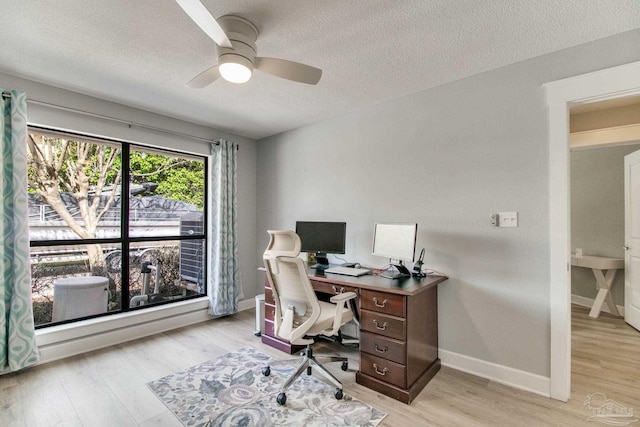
(142, 52)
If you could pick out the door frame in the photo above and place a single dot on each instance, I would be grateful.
(560, 95)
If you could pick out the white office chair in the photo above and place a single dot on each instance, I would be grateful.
(299, 314)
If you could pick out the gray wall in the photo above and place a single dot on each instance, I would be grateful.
(446, 158)
(42, 115)
(597, 212)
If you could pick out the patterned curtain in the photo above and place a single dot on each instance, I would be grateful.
(17, 335)
(225, 287)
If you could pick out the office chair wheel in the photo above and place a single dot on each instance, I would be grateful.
(338, 394)
(266, 371)
(345, 365)
(281, 399)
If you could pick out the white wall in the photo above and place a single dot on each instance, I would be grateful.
(148, 321)
(446, 158)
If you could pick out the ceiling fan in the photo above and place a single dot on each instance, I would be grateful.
(235, 39)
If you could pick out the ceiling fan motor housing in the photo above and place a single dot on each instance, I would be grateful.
(243, 35)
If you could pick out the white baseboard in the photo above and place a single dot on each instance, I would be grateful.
(505, 375)
(246, 304)
(499, 373)
(58, 342)
(588, 302)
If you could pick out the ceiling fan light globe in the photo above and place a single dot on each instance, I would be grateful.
(235, 69)
(235, 73)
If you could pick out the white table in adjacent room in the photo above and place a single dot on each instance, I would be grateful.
(604, 269)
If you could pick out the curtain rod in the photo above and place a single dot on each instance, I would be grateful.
(101, 116)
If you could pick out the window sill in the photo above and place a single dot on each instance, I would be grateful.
(66, 340)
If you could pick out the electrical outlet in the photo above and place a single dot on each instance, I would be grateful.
(508, 219)
(494, 219)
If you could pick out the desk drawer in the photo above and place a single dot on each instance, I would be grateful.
(331, 289)
(268, 296)
(381, 324)
(269, 328)
(383, 370)
(269, 311)
(384, 347)
(382, 302)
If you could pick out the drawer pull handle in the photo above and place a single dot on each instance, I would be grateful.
(384, 303)
(383, 327)
(380, 350)
(335, 289)
(383, 372)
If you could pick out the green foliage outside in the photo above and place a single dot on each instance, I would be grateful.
(64, 161)
(177, 178)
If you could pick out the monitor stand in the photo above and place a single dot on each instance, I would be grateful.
(398, 271)
(322, 262)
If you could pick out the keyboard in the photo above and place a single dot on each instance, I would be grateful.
(348, 271)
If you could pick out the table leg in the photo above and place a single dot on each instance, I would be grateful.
(604, 292)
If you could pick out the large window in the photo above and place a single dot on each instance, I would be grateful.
(113, 226)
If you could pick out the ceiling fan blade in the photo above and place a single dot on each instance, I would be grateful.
(205, 78)
(203, 19)
(289, 70)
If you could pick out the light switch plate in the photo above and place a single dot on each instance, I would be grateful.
(508, 219)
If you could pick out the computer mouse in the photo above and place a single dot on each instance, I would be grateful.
(357, 265)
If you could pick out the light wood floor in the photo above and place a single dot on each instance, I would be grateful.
(107, 387)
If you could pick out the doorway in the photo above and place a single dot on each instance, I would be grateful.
(597, 190)
(612, 83)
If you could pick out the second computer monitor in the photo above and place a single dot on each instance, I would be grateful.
(322, 238)
(396, 242)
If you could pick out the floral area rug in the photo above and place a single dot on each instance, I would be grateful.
(231, 391)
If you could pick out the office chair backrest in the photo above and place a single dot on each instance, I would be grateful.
(292, 290)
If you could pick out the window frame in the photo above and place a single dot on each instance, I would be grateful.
(125, 241)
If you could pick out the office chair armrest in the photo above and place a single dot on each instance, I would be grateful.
(340, 301)
(345, 296)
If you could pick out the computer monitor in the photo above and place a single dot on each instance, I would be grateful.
(398, 243)
(322, 238)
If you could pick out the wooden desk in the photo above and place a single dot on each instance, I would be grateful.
(398, 330)
(599, 265)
